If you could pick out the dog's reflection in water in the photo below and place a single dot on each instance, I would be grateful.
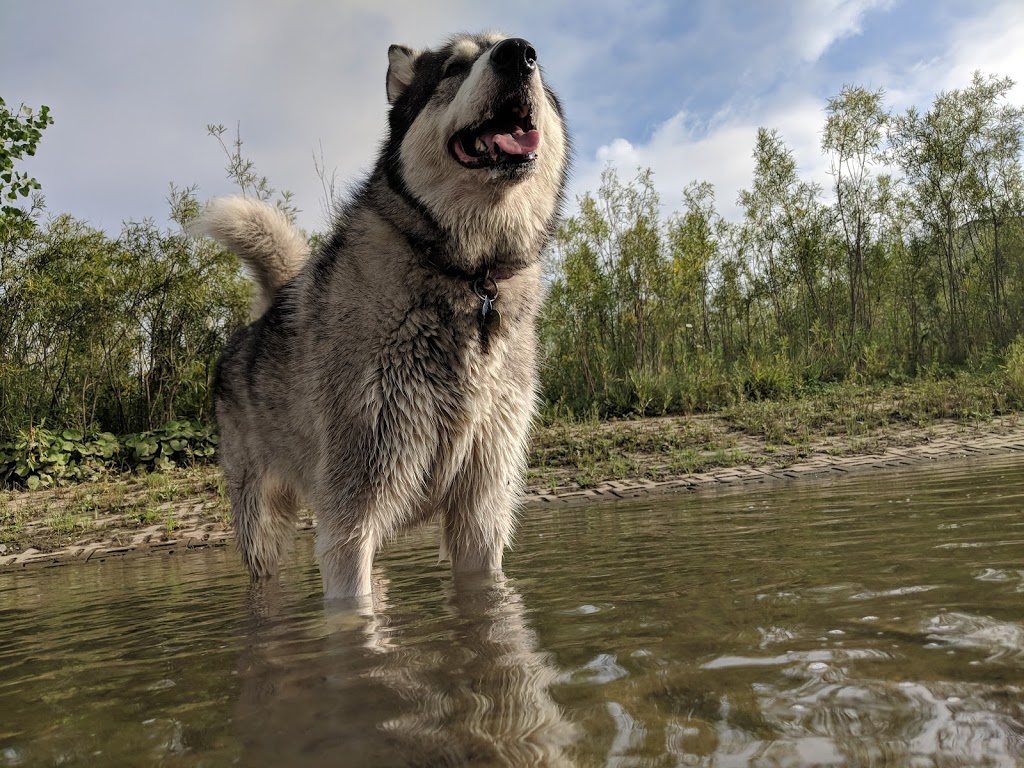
(468, 687)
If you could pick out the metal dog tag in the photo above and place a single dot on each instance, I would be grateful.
(489, 316)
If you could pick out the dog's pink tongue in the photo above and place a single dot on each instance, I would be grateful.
(518, 143)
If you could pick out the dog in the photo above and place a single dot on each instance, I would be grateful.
(391, 375)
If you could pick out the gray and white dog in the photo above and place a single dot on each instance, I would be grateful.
(391, 376)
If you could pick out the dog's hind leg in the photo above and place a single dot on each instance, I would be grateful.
(264, 513)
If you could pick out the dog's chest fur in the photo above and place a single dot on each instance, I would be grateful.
(432, 394)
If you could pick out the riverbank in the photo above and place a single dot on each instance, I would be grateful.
(571, 463)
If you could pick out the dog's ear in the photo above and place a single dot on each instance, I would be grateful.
(401, 68)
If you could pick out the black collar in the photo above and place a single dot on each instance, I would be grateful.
(432, 255)
(483, 283)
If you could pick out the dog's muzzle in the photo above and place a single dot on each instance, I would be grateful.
(507, 139)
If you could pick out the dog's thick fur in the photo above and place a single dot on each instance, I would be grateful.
(370, 385)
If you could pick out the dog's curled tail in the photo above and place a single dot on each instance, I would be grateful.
(270, 247)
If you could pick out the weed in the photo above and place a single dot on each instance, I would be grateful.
(61, 522)
(141, 514)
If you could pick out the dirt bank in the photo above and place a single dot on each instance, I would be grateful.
(572, 464)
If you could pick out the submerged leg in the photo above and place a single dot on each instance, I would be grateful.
(264, 513)
(479, 509)
(345, 554)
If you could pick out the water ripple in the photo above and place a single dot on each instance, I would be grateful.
(869, 621)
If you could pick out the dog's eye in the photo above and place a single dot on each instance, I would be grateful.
(456, 67)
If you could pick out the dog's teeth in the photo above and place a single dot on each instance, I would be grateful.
(481, 145)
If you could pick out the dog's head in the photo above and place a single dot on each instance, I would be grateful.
(476, 133)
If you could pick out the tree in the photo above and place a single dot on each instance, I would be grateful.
(994, 151)
(20, 132)
(785, 231)
(693, 241)
(854, 129)
(960, 160)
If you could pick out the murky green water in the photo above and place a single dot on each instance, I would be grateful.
(875, 621)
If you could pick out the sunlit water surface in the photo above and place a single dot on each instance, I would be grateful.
(873, 621)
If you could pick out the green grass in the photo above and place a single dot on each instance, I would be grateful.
(588, 453)
(840, 419)
(62, 521)
(12, 524)
(856, 410)
(142, 514)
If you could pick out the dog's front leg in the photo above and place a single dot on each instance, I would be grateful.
(479, 510)
(477, 528)
(346, 542)
(351, 527)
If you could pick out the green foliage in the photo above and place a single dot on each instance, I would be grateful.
(1014, 372)
(41, 458)
(20, 132)
(917, 271)
(903, 273)
(175, 443)
(114, 334)
(854, 131)
(961, 166)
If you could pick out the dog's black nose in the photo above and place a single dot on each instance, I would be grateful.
(514, 56)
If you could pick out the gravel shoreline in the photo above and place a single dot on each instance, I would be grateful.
(945, 441)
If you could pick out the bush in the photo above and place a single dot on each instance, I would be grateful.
(1013, 372)
(42, 458)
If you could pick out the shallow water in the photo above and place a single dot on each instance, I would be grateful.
(872, 621)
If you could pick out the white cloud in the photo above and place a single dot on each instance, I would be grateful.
(818, 24)
(987, 41)
(990, 42)
(685, 148)
(681, 88)
(679, 153)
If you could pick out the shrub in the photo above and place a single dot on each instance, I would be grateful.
(1013, 371)
(42, 458)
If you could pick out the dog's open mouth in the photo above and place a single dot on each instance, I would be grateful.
(508, 138)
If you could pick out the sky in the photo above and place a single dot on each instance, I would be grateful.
(678, 86)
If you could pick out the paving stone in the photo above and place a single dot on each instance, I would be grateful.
(672, 486)
(43, 558)
(26, 555)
